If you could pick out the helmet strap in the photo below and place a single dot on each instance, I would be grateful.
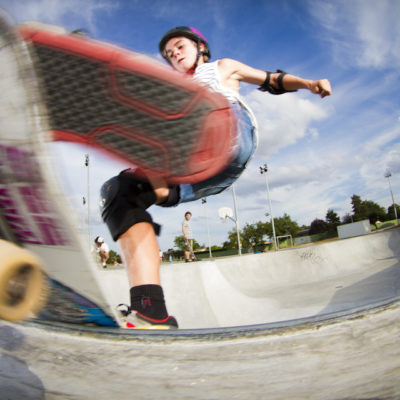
(192, 70)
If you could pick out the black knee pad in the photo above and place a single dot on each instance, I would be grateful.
(108, 194)
(138, 191)
(124, 200)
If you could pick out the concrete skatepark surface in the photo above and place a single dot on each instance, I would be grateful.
(316, 322)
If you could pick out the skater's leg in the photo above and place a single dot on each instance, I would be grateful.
(187, 250)
(139, 246)
(140, 253)
(125, 200)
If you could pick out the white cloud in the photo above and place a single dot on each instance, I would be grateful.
(71, 14)
(379, 143)
(283, 120)
(365, 33)
(393, 160)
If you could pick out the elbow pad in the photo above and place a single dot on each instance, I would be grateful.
(266, 87)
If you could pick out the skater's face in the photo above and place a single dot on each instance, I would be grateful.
(182, 53)
(188, 216)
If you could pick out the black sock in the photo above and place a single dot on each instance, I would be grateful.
(149, 301)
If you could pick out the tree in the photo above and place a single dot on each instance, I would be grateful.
(347, 219)
(332, 219)
(285, 226)
(253, 235)
(113, 257)
(374, 212)
(227, 245)
(359, 212)
(232, 242)
(390, 212)
(318, 226)
(367, 210)
(180, 243)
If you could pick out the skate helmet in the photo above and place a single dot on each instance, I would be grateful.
(99, 240)
(189, 32)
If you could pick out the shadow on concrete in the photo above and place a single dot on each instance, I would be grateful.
(380, 287)
(17, 381)
(383, 286)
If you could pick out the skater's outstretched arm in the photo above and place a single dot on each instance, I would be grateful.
(233, 72)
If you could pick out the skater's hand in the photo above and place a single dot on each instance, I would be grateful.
(321, 87)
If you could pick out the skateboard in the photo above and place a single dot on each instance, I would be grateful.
(58, 86)
(189, 247)
(44, 263)
(131, 106)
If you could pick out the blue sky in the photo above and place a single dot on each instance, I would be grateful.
(319, 152)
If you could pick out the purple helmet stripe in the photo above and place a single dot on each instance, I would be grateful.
(194, 30)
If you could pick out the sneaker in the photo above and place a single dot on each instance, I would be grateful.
(136, 320)
(131, 107)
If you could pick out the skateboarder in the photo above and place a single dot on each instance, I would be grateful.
(126, 197)
(102, 250)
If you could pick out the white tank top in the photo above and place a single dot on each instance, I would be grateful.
(208, 73)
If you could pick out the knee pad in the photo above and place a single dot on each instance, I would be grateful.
(124, 199)
(126, 188)
(137, 191)
(108, 193)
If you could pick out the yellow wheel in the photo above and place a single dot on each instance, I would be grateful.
(23, 284)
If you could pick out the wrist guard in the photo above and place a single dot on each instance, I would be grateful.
(266, 87)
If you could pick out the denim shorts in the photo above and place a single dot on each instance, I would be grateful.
(223, 180)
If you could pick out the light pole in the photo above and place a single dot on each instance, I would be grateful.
(88, 200)
(388, 174)
(237, 220)
(264, 170)
(204, 201)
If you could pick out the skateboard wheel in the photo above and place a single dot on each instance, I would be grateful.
(23, 284)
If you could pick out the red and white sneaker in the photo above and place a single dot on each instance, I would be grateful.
(135, 320)
(130, 106)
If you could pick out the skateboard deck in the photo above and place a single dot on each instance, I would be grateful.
(189, 247)
(131, 106)
(33, 213)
